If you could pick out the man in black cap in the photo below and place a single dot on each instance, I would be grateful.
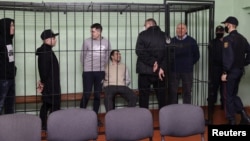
(49, 84)
(215, 68)
(236, 55)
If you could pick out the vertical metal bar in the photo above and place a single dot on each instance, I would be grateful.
(14, 12)
(138, 15)
(131, 48)
(75, 53)
(126, 34)
(35, 58)
(92, 17)
(210, 37)
(166, 8)
(24, 59)
(117, 27)
(82, 44)
(67, 54)
(167, 34)
(159, 17)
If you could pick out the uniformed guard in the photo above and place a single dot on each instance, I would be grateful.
(236, 55)
(215, 68)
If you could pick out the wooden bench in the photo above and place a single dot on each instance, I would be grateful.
(64, 97)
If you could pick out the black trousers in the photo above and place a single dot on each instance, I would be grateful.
(123, 91)
(217, 86)
(144, 83)
(46, 109)
(187, 84)
(90, 80)
(233, 102)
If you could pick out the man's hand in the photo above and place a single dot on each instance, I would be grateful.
(39, 87)
(155, 67)
(224, 77)
(161, 74)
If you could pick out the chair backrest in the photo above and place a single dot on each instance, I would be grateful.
(128, 124)
(74, 124)
(20, 127)
(181, 120)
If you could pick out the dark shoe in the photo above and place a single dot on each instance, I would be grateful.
(245, 119)
(44, 128)
(222, 107)
(99, 123)
(208, 122)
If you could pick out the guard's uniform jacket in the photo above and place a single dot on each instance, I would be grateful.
(236, 55)
(236, 52)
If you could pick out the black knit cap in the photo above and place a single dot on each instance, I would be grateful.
(48, 33)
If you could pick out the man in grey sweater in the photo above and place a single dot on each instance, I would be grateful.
(116, 82)
(94, 57)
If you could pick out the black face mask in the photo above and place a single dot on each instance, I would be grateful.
(219, 35)
(226, 29)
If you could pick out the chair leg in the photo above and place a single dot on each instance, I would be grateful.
(151, 138)
(162, 138)
(202, 137)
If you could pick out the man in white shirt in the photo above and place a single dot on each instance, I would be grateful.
(116, 82)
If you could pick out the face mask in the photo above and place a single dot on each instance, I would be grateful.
(226, 29)
(219, 35)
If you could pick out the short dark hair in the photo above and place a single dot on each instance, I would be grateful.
(112, 53)
(97, 26)
(151, 20)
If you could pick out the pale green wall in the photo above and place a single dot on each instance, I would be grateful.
(223, 9)
(243, 16)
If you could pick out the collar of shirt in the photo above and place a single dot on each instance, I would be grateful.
(184, 37)
(115, 63)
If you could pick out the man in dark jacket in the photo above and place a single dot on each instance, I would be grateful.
(215, 47)
(50, 76)
(7, 66)
(151, 63)
(235, 56)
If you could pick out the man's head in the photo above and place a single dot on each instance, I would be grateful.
(96, 31)
(49, 37)
(181, 30)
(115, 56)
(7, 28)
(149, 22)
(12, 28)
(219, 31)
(230, 23)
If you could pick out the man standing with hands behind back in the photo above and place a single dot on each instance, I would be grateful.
(49, 72)
(151, 63)
(236, 55)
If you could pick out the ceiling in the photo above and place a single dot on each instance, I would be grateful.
(174, 5)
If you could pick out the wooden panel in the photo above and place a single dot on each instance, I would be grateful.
(64, 97)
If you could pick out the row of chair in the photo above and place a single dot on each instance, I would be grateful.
(123, 124)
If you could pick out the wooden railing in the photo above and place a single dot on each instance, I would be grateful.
(64, 97)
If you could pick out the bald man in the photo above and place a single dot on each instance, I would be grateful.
(186, 54)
